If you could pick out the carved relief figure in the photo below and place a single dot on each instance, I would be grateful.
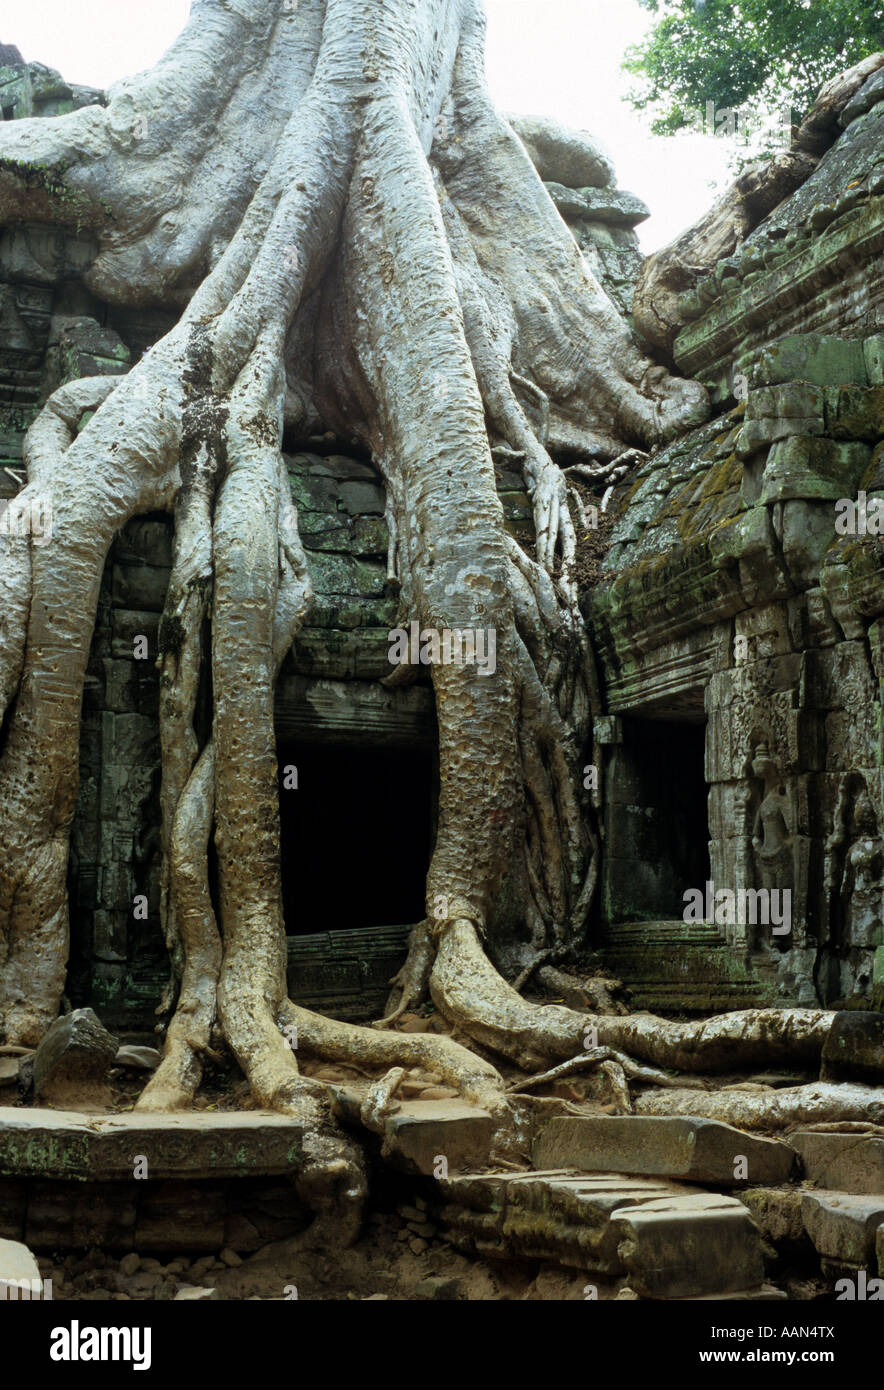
(772, 831)
(860, 884)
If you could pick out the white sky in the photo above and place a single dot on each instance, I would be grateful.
(545, 57)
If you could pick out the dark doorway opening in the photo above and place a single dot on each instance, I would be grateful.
(658, 830)
(356, 835)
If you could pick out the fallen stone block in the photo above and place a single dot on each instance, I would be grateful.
(776, 1212)
(223, 1144)
(72, 1062)
(439, 1137)
(561, 155)
(682, 1246)
(693, 1150)
(793, 400)
(869, 94)
(843, 1226)
(842, 1162)
(555, 1216)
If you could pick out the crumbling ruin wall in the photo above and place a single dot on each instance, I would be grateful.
(744, 586)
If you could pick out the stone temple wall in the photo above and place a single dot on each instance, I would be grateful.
(728, 601)
(731, 601)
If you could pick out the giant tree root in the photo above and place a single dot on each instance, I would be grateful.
(591, 1061)
(784, 1108)
(471, 993)
(409, 985)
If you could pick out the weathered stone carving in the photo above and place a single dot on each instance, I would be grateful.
(854, 886)
(772, 839)
(862, 888)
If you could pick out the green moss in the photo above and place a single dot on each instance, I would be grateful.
(49, 178)
(862, 559)
(38, 1155)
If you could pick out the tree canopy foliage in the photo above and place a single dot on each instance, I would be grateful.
(738, 52)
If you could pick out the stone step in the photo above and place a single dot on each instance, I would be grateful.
(432, 1137)
(38, 1143)
(846, 1229)
(558, 1216)
(679, 1247)
(343, 974)
(198, 1181)
(667, 1240)
(675, 966)
(844, 1162)
(425, 1133)
(204, 1215)
(843, 1227)
(693, 1150)
(660, 932)
(346, 974)
(687, 998)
